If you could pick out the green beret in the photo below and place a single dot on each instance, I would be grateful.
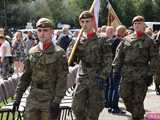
(44, 22)
(138, 19)
(85, 15)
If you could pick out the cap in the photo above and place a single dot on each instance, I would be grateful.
(44, 22)
(85, 15)
(138, 19)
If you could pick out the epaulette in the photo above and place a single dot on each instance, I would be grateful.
(34, 49)
(57, 48)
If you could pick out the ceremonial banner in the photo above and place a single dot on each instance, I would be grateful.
(112, 18)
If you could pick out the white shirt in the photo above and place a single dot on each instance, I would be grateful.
(8, 49)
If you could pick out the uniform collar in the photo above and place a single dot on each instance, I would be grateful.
(91, 35)
(139, 35)
(49, 47)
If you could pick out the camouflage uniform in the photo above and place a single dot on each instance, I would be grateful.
(138, 57)
(157, 75)
(157, 83)
(95, 63)
(46, 72)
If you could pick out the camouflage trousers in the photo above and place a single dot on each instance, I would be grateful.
(36, 110)
(6, 68)
(88, 102)
(157, 82)
(133, 92)
(157, 79)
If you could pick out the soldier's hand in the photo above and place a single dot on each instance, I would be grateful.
(54, 109)
(15, 106)
(100, 81)
(149, 80)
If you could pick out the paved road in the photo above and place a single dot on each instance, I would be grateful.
(152, 104)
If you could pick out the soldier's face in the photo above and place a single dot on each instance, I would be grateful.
(44, 34)
(139, 26)
(87, 24)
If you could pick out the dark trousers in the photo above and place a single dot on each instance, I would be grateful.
(112, 90)
(6, 68)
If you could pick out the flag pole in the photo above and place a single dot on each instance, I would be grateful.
(78, 38)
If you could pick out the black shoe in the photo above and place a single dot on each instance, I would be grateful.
(106, 105)
(118, 111)
(110, 110)
(4, 78)
(157, 92)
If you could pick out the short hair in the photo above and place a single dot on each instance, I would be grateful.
(85, 15)
(138, 19)
(121, 27)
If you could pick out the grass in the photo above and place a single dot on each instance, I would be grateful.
(5, 114)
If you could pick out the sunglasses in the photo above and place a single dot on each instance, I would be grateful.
(44, 30)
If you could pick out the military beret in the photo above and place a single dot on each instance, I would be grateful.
(44, 22)
(85, 15)
(138, 19)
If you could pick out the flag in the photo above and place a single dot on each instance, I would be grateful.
(112, 18)
(95, 8)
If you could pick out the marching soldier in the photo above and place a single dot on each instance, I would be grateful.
(157, 75)
(95, 56)
(46, 72)
(137, 55)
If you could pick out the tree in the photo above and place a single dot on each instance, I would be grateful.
(146, 9)
(126, 10)
(156, 10)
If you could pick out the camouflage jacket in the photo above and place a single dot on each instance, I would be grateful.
(137, 56)
(95, 56)
(46, 72)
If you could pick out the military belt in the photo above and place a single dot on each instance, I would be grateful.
(39, 86)
(136, 64)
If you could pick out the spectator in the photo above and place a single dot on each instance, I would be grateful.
(29, 42)
(112, 86)
(110, 32)
(18, 52)
(5, 56)
(64, 39)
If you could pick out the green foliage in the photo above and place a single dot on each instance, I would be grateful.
(5, 114)
(127, 9)
(16, 13)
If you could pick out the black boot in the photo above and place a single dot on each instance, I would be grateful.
(157, 90)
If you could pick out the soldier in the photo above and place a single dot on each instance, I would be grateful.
(95, 56)
(46, 72)
(157, 75)
(137, 55)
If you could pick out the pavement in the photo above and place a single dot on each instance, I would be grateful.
(151, 105)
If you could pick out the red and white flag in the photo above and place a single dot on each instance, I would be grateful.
(95, 8)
